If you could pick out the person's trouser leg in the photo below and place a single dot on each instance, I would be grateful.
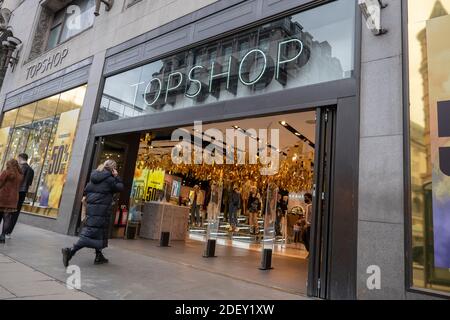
(198, 218)
(254, 221)
(307, 237)
(194, 214)
(278, 224)
(75, 248)
(235, 219)
(6, 223)
(15, 217)
(1, 218)
(231, 217)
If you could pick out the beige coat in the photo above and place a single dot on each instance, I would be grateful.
(200, 198)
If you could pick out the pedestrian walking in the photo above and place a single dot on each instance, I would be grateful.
(309, 216)
(28, 176)
(234, 207)
(196, 199)
(104, 183)
(10, 180)
(253, 208)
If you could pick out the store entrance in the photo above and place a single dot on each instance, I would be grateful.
(216, 186)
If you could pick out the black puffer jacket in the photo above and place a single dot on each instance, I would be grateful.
(99, 196)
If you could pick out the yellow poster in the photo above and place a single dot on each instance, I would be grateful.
(139, 184)
(156, 179)
(60, 156)
(4, 136)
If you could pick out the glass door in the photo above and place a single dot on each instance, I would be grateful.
(321, 218)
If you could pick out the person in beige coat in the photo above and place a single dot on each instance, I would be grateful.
(196, 199)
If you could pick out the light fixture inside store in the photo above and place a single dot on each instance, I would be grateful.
(297, 134)
(257, 139)
(108, 4)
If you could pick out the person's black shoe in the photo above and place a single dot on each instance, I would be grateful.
(100, 259)
(2, 239)
(67, 255)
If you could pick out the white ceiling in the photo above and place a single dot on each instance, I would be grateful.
(287, 139)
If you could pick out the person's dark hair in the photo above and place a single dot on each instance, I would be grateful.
(12, 166)
(23, 156)
(308, 197)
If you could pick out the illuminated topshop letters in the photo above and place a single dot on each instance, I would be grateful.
(255, 67)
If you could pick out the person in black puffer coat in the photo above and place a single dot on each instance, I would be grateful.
(104, 183)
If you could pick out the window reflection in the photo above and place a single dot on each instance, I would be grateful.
(327, 55)
(9, 118)
(44, 130)
(429, 194)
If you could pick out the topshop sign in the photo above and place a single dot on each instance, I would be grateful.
(256, 69)
(48, 64)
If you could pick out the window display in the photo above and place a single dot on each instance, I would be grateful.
(429, 105)
(230, 201)
(45, 130)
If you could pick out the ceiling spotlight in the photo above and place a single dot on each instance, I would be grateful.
(297, 134)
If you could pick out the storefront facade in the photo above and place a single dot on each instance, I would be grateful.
(212, 82)
(222, 61)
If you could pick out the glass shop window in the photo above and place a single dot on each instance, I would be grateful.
(429, 134)
(45, 130)
(71, 20)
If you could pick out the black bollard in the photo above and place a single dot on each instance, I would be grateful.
(164, 240)
(266, 263)
(210, 249)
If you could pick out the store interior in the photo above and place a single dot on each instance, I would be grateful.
(157, 179)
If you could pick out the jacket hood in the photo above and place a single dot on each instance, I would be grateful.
(99, 176)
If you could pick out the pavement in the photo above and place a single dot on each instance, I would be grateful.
(31, 268)
(21, 282)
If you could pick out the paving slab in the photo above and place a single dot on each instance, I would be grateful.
(5, 294)
(140, 270)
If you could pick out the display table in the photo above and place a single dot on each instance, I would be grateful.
(160, 217)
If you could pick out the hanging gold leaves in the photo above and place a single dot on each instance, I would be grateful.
(295, 173)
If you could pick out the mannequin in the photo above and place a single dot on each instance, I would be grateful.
(213, 208)
(227, 189)
(245, 195)
(254, 206)
(234, 206)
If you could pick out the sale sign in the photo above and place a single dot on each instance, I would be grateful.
(155, 179)
(60, 155)
(139, 188)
